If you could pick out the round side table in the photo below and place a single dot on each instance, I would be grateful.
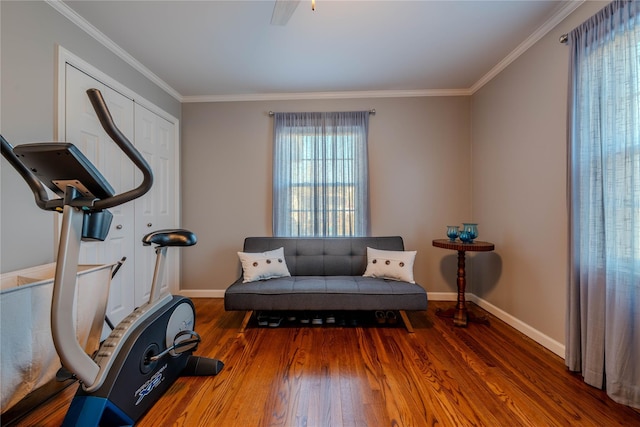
(459, 313)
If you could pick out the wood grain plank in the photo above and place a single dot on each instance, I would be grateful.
(371, 376)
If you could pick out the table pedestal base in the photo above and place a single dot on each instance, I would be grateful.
(459, 314)
(461, 317)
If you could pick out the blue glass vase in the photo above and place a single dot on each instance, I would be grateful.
(452, 232)
(464, 237)
(472, 231)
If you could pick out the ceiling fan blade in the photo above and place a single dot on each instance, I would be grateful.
(282, 11)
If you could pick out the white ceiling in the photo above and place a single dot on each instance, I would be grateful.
(225, 50)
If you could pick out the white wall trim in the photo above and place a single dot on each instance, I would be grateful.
(442, 296)
(564, 10)
(542, 339)
(202, 293)
(84, 25)
(329, 95)
(65, 56)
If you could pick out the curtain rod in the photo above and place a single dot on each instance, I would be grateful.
(372, 111)
(564, 38)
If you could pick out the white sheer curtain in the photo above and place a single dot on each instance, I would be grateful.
(603, 319)
(320, 174)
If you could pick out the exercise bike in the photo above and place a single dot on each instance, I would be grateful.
(148, 350)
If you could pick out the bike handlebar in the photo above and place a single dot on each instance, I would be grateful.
(104, 116)
(39, 190)
(127, 147)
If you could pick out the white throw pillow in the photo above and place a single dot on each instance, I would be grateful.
(263, 265)
(394, 265)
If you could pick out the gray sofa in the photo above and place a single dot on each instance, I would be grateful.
(326, 274)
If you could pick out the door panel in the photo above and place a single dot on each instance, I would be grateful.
(155, 138)
(83, 129)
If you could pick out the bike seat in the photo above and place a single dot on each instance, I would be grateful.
(173, 237)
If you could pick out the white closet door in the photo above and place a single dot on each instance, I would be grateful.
(83, 129)
(156, 139)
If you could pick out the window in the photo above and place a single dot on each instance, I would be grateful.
(607, 150)
(320, 179)
(604, 210)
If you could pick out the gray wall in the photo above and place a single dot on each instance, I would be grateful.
(419, 165)
(497, 157)
(29, 32)
(519, 183)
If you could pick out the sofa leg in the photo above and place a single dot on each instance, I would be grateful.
(245, 321)
(407, 322)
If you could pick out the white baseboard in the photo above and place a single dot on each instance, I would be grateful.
(442, 296)
(219, 293)
(542, 339)
(202, 293)
(534, 334)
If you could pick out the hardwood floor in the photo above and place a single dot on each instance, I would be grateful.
(372, 376)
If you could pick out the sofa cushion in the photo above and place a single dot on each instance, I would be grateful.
(325, 293)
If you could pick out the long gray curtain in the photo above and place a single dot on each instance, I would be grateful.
(320, 174)
(603, 315)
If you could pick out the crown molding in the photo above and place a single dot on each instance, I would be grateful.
(83, 24)
(327, 95)
(564, 10)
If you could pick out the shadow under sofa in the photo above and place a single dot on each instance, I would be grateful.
(326, 275)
